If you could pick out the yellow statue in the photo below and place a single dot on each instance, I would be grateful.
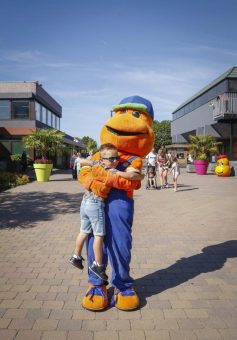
(223, 167)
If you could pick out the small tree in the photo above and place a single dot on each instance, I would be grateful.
(202, 146)
(90, 143)
(45, 141)
(162, 132)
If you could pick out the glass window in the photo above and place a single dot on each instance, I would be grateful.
(49, 118)
(38, 111)
(44, 115)
(52, 120)
(5, 109)
(20, 109)
(233, 85)
(17, 147)
(6, 145)
(56, 122)
(46, 119)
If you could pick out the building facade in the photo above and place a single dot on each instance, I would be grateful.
(213, 110)
(26, 107)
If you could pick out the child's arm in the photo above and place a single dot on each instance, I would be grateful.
(112, 180)
(86, 162)
(132, 175)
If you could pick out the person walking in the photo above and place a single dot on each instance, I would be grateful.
(175, 169)
(77, 164)
(163, 164)
(72, 162)
(151, 158)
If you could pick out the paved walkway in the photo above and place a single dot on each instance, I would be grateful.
(184, 263)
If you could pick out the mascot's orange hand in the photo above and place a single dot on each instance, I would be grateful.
(85, 177)
(113, 180)
(99, 173)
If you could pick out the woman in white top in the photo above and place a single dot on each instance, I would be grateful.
(163, 163)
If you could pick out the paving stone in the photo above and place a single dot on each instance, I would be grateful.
(70, 325)
(53, 304)
(54, 335)
(76, 335)
(26, 296)
(142, 324)
(106, 335)
(46, 296)
(21, 324)
(182, 335)
(28, 335)
(196, 313)
(32, 304)
(166, 324)
(155, 335)
(40, 289)
(7, 295)
(10, 303)
(2, 312)
(181, 304)
(4, 322)
(84, 315)
(208, 334)
(174, 313)
(190, 324)
(66, 296)
(152, 314)
(38, 313)
(45, 324)
(7, 334)
(17, 313)
(132, 335)
(184, 268)
(228, 334)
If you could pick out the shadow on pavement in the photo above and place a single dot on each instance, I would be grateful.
(26, 209)
(211, 259)
(179, 190)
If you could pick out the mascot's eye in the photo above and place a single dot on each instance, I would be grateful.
(136, 114)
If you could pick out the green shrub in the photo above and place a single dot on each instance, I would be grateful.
(10, 180)
(16, 157)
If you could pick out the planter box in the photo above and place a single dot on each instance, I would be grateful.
(201, 166)
(42, 171)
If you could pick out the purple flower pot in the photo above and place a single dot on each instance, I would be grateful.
(201, 166)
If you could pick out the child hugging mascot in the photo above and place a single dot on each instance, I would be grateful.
(130, 130)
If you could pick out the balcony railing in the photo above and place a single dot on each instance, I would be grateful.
(225, 106)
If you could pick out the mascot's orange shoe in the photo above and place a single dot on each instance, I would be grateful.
(125, 300)
(96, 298)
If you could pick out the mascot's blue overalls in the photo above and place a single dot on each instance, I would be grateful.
(130, 130)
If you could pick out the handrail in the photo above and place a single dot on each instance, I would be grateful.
(224, 105)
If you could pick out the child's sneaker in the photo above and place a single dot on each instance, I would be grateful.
(99, 271)
(77, 262)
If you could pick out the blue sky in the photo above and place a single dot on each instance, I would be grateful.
(91, 54)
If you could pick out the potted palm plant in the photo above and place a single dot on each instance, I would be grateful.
(45, 142)
(201, 148)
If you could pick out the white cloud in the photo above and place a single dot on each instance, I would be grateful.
(22, 56)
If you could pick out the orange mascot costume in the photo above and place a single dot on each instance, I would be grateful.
(130, 130)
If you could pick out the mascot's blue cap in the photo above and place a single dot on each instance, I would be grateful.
(137, 103)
